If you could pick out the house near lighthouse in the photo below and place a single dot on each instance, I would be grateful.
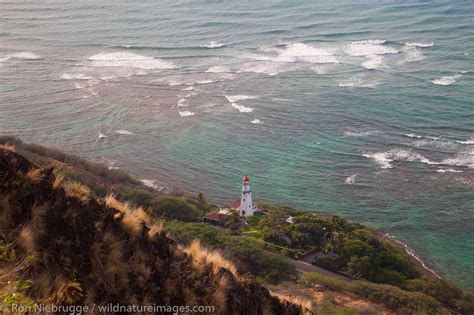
(243, 206)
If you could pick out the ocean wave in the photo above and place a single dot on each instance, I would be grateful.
(218, 69)
(412, 53)
(186, 113)
(236, 98)
(307, 53)
(357, 49)
(364, 133)
(369, 42)
(384, 159)
(129, 60)
(124, 132)
(101, 135)
(25, 55)
(213, 45)
(351, 179)
(256, 121)
(242, 108)
(448, 170)
(421, 45)
(447, 80)
(356, 81)
(373, 62)
(181, 103)
(268, 68)
(75, 76)
(463, 159)
(469, 141)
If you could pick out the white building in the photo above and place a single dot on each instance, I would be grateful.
(246, 207)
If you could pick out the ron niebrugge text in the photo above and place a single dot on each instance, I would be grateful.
(107, 308)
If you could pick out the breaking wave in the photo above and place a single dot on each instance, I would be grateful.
(447, 80)
(186, 113)
(129, 60)
(385, 159)
(236, 98)
(242, 108)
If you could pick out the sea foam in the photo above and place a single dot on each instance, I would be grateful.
(384, 159)
(421, 45)
(129, 60)
(242, 108)
(351, 179)
(447, 80)
(124, 132)
(256, 121)
(186, 113)
(236, 98)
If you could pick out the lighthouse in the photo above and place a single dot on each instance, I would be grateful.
(246, 206)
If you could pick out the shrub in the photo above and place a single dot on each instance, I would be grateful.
(388, 295)
(175, 208)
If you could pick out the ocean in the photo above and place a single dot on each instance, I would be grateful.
(362, 110)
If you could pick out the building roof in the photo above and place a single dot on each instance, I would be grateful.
(235, 204)
(216, 216)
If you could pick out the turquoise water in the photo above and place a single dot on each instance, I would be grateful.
(361, 110)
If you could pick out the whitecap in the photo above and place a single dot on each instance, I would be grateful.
(213, 44)
(256, 121)
(356, 81)
(363, 133)
(351, 179)
(236, 98)
(181, 103)
(101, 135)
(384, 159)
(373, 62)
(242, 108)
(469, 141)
(25, 55)
(186, 113)
(189, 88)
(124, 132)
(268, 68)
(360, 49)
(129, 60)
(307, 53)
(448, 170)
(465, 159)
(218, 69)
(421, 45)
(412, 54)
(447, 80)
(369, 42)
(75, 76)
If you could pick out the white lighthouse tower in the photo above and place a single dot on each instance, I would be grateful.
(246, 206)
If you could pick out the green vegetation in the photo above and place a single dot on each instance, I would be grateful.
(403, 302)
(247, 252)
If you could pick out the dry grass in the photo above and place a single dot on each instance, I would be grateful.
(134, 219)
(202, 256)
(8, 147)
(35, 175)
(156, 229)
(77, 190)
(305, 304)
(26, 241)
(58, 179)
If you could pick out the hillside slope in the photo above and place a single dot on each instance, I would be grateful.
(60, 246)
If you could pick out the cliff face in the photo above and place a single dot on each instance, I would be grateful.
(60, 246)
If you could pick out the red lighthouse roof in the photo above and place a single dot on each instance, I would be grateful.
(246, 179)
